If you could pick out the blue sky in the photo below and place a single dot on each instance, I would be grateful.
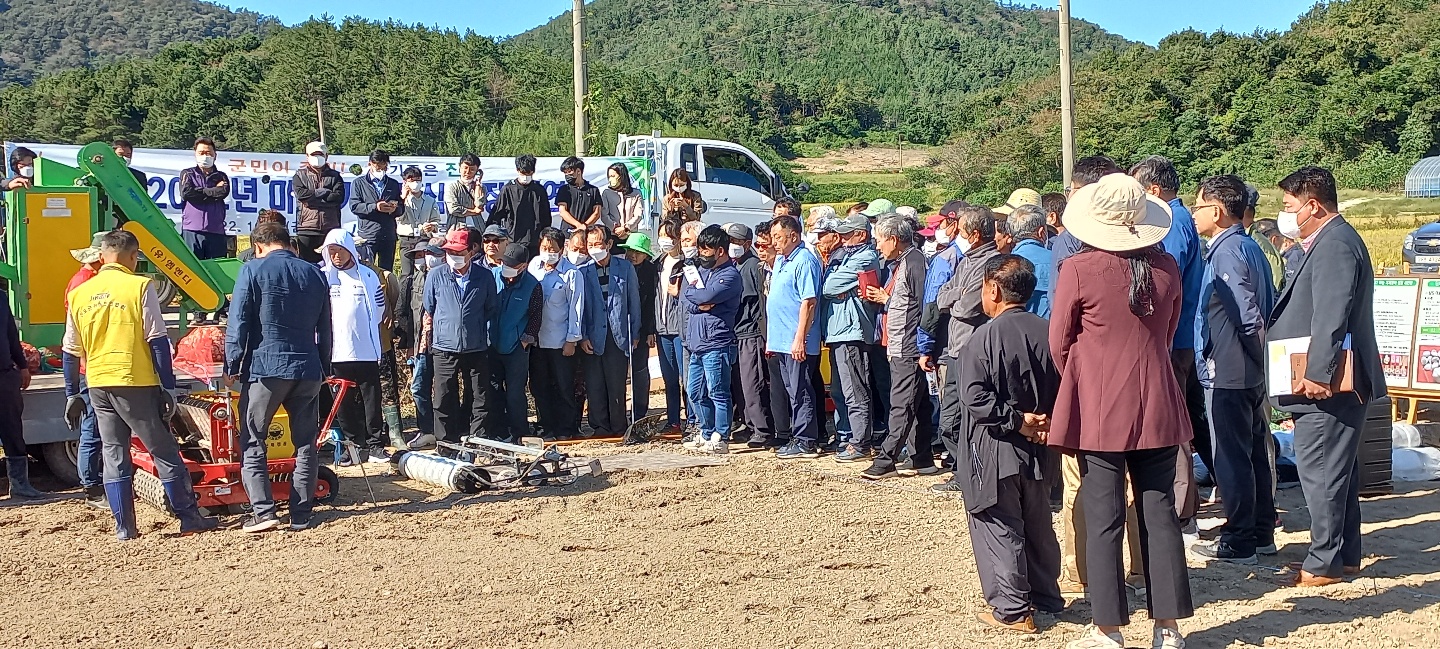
(1141, 20)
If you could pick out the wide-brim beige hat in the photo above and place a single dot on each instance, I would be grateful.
(1116, 214)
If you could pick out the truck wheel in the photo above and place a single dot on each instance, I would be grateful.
(166, 289)
(63, 460)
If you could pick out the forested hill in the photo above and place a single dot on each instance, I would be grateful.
(39, 36)
(905, 52)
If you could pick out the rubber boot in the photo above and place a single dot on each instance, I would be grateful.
(121, 494)
(396, 429)
(182, 501)
(19, 471)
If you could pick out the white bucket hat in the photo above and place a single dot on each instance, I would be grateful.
(1116, 214)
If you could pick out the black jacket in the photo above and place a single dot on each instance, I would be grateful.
(523, 210)
(649, 283)
(750, 322)
(363, 199)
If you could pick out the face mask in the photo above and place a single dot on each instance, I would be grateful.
(689, 251)
(414, 185)
(27, 172)
(508, 272)
(456, 262)
(736, 251)
(573, 179)
(205, 160)
(550, 258)
(432, 261)
(524, 179)
(679, 189)
(316, 160)
(930, 246)
(811, 238)
(614, 183)
(577, 257)
(964, 245)
(377, 174)
(706, 261)
(1289, 223)
(666, 244)
(127, 159)
(599, 254)
(942, 237)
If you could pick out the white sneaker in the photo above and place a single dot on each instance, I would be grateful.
(1167, 639)
(1094, 639)
(717, 447)
(697, 444)
(377, 458)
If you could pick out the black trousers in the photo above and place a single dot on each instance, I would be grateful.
(509, 374)
(309, 242)
(879, 390)
(552, 382)
(407, 265)
(12, 414)
(801, 395)
(605, 372)
(384, 247)
(1016, 552)
(1327, 449)
(909, 416)
(360, 417)
(824, 422)
(779, 397)
(1242, 468)
(750, 387)
(1167, 580)
(951, 416)
(456, 413)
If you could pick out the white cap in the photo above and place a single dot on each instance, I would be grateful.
(316, 147)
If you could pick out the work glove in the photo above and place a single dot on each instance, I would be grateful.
(167, 406)
(74, 412)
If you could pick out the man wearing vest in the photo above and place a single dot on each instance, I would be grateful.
(114, 325)
(513, 333)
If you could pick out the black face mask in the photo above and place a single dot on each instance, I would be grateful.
(706, 261)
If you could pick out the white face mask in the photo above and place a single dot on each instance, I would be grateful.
(456, 262)
(524, 179)
(414, 185)
(599, 254)
(27, 172)
(205, 160)
(666, 244)
(931, 246)
(942, 236)
(377, 174)
(736, 251)
(508, 272)
(679, 189)
(964, 245)
(1289, 223)
(812, 238)
(316, 160)
(127, 159)
(577, 257)
(689, 251)
(432, 261)
(550, 258)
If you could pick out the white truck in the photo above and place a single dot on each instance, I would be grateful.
(736, 184)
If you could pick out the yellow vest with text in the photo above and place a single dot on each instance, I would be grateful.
(109, 317)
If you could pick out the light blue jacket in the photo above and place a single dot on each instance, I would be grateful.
(620, 313)
(848, 317)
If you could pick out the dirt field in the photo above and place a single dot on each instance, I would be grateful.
(750, 554)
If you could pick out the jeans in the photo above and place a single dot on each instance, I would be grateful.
(670, 355)
(709, 387)
(421, 383)
(90, 458)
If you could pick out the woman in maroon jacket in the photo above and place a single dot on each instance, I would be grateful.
(1116, 308)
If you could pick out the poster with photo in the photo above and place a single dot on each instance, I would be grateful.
(1395, 303)
(1427, 337)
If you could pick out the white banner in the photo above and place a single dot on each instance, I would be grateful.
(263, 180)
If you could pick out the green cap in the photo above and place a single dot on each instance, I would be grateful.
(639, 242)
(878, 207)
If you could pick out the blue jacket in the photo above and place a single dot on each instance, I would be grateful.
(847, 316)
(279, 321)
(514, 313)
(942, 267)
(619, 315)
(1036, 253)
(713, 330)
(461, 319)
(1183, 243)
(1237, 295)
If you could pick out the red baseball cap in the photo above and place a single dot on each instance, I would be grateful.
(457, 241)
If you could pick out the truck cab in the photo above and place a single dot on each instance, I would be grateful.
(736, 184)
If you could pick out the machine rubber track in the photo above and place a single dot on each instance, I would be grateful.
(149, 489)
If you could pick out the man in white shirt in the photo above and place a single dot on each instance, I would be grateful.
(357, 304)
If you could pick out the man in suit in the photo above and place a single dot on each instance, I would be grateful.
(375, 199)
(1330, 301)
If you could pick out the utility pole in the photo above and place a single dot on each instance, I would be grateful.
(1067, 101)
(582, 83)
(320, 117)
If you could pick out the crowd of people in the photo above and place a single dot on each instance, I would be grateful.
(1087, 343)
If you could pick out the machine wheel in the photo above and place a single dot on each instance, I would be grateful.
(166, 288)
(63, 458)
(149, 489)
(327, 477)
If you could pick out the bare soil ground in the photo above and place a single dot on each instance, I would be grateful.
(753, 553)
(866, 160)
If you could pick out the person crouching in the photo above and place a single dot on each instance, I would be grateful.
(1008, 385)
